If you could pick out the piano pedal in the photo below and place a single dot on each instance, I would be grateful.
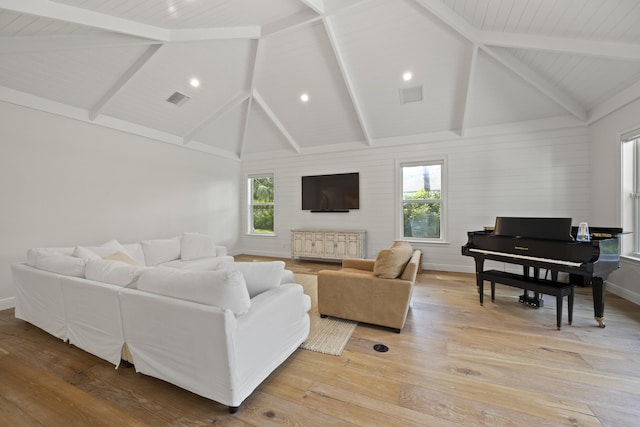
(532, 301)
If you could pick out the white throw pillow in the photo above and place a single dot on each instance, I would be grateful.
(259, 276)
(98, 252)
(197, 245)
(67, 265)
(221, 288)
(85, 253)
(113, 272)
(161, 250)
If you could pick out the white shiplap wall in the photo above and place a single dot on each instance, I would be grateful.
(520, 174)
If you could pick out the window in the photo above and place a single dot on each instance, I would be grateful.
(631, 193)
(261, 196)
(422, 203)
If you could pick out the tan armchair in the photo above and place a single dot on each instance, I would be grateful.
(355, 293)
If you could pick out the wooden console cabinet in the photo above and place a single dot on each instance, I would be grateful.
(328, 244)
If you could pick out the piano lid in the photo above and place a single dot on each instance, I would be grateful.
(534, 228)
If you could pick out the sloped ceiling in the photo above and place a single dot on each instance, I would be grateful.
(475, 64)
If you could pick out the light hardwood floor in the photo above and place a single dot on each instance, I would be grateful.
(455, 363)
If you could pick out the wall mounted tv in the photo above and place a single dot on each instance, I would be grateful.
(331, 193)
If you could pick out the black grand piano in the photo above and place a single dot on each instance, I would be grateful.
(549, 244)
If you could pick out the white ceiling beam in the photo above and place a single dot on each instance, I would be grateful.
(538, 82)
(50, 43)
(257, 60)
(75, 15)
(226, 107)
(290, 23)
(466, 30)
(316, 5)
(612, 50)
(619, 100)
(274, 118)
(468, 91)
(123, 80)
(251, 32)
(348, 82)
(451, 19)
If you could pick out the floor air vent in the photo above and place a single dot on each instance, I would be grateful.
(411, 94)
(178, 98)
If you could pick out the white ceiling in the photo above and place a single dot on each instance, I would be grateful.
(480, 63)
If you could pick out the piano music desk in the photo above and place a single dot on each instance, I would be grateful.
(548, 287)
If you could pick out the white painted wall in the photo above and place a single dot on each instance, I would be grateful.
(518, 174)
(606, 182)
(67, 183)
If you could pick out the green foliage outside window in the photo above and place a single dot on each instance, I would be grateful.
(262, 204)
(422, 217)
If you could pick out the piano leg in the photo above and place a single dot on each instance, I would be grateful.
(559, 311)
(598, 289)
(479, 279)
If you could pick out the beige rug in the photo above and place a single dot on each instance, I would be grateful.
(327, 335)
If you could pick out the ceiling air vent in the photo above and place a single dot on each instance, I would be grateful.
(178, 98)
(411, 94)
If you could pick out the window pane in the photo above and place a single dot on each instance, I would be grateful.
(263, 190)
(422, 182)
(421, 220)
(263, 219)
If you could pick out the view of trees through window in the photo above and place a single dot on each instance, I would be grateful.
(261, 211)
(422, 200)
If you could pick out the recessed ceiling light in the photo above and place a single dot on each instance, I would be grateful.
(407, 76)
(195, 82)
(304, 97)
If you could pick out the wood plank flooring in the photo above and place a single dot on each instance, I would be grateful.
(455, 363)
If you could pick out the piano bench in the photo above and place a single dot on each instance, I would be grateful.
(543, 286)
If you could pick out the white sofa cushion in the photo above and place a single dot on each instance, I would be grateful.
(85, 253)
(196, 246)
(32, 254)
(200, 264)
(135, 250)
(67, 265)
(221, 288)
(259, 276)
(112, 272)
(161, 250)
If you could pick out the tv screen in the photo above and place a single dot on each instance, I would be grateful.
(331, 193)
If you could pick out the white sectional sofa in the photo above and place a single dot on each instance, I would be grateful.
(179, 309)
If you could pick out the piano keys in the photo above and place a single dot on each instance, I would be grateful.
(549, 244)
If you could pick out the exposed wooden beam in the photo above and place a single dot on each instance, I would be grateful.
(274, 118)
(348, 82)
(123, 80)
(75, 15)
(538, 82)
(228, 106)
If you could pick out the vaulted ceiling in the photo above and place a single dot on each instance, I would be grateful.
(475, 65)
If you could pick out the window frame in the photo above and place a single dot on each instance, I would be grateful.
(630, 210)
(251, 205)
(400, 201)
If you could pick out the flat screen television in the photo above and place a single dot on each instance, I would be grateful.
(331, 193)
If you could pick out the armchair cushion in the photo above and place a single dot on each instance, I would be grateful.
(391, 262)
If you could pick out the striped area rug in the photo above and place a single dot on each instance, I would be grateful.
(327, 335)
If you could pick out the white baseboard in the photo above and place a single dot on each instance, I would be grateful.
(623, 293)
(7, 303)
